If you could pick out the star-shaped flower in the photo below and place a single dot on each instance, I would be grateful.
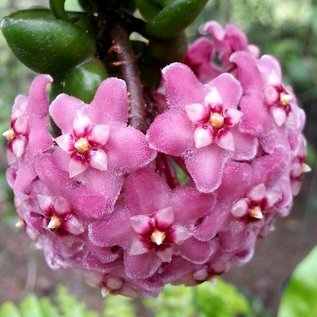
(153, 225)
(28, 137)
(201, 125)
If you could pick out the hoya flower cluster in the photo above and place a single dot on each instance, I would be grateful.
(178, 204)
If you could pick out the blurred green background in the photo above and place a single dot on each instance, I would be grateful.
(286, 29)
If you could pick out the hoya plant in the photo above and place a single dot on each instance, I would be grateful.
(143, 160)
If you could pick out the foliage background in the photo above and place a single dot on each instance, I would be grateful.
(286, 29)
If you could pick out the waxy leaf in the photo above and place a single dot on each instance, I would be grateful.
(46, 44)
(82, 81)
(174, 18)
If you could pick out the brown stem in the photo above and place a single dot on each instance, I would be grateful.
(126, 58)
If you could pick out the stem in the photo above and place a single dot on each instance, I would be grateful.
(126, 58)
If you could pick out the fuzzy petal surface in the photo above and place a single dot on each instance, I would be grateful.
(206, 167)
(172, 133)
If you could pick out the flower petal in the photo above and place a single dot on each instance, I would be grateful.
(229, 89)
(146, 192)
(213, 223)
(197, 113)
(233, 116)
(38, 99)
(98, 160)
(99, 134)
(88, 202)
(63, 111)
(247, 146)
(171, 133)
(213, 98)
(128, 150)
(45, 202)
(110, 103)
(81, 124)
(190, 205)
(39, 138)
(271, 69)
(255, 120)
(182, 86)
(24, 176)
(114, 231)
(141, 266)
(257, 193)
(141, 224)
(96, 184)
(240, 208)
(225, 140)
(18, 147)
(65, 142)
(61, 206)
(203, 136)
(21, 125)
(206, 167)
(271, 95)
(76, 166)
(164, 218)
(215, 29)
(181, 234)
(73, 225)
(138, 247)
(269, 168)
(279, 115)
(195, 251)
(165, 255)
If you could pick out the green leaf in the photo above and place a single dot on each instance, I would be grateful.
(221, 300)
(217, 300)
(58, 9)
(118, 306)
(48, 309)
(70, 306)
(9, 310)
(148, 9)
(45, 44)
(174, 18)
(300, 296)
(30, 307)
(82, 81)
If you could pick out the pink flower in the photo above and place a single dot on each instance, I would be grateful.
(100, 201)
(28, 136)
(257, 202)
(299, 167)
(96, 137)
(209, 57)
(57, 215)
(201, 125)
(278, 98)
(154, 225)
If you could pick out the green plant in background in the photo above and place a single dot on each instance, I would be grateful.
(300, 296)
(219, 299)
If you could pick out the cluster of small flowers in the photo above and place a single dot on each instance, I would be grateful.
(103, 197)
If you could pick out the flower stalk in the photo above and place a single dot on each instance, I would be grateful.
(126, 58)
